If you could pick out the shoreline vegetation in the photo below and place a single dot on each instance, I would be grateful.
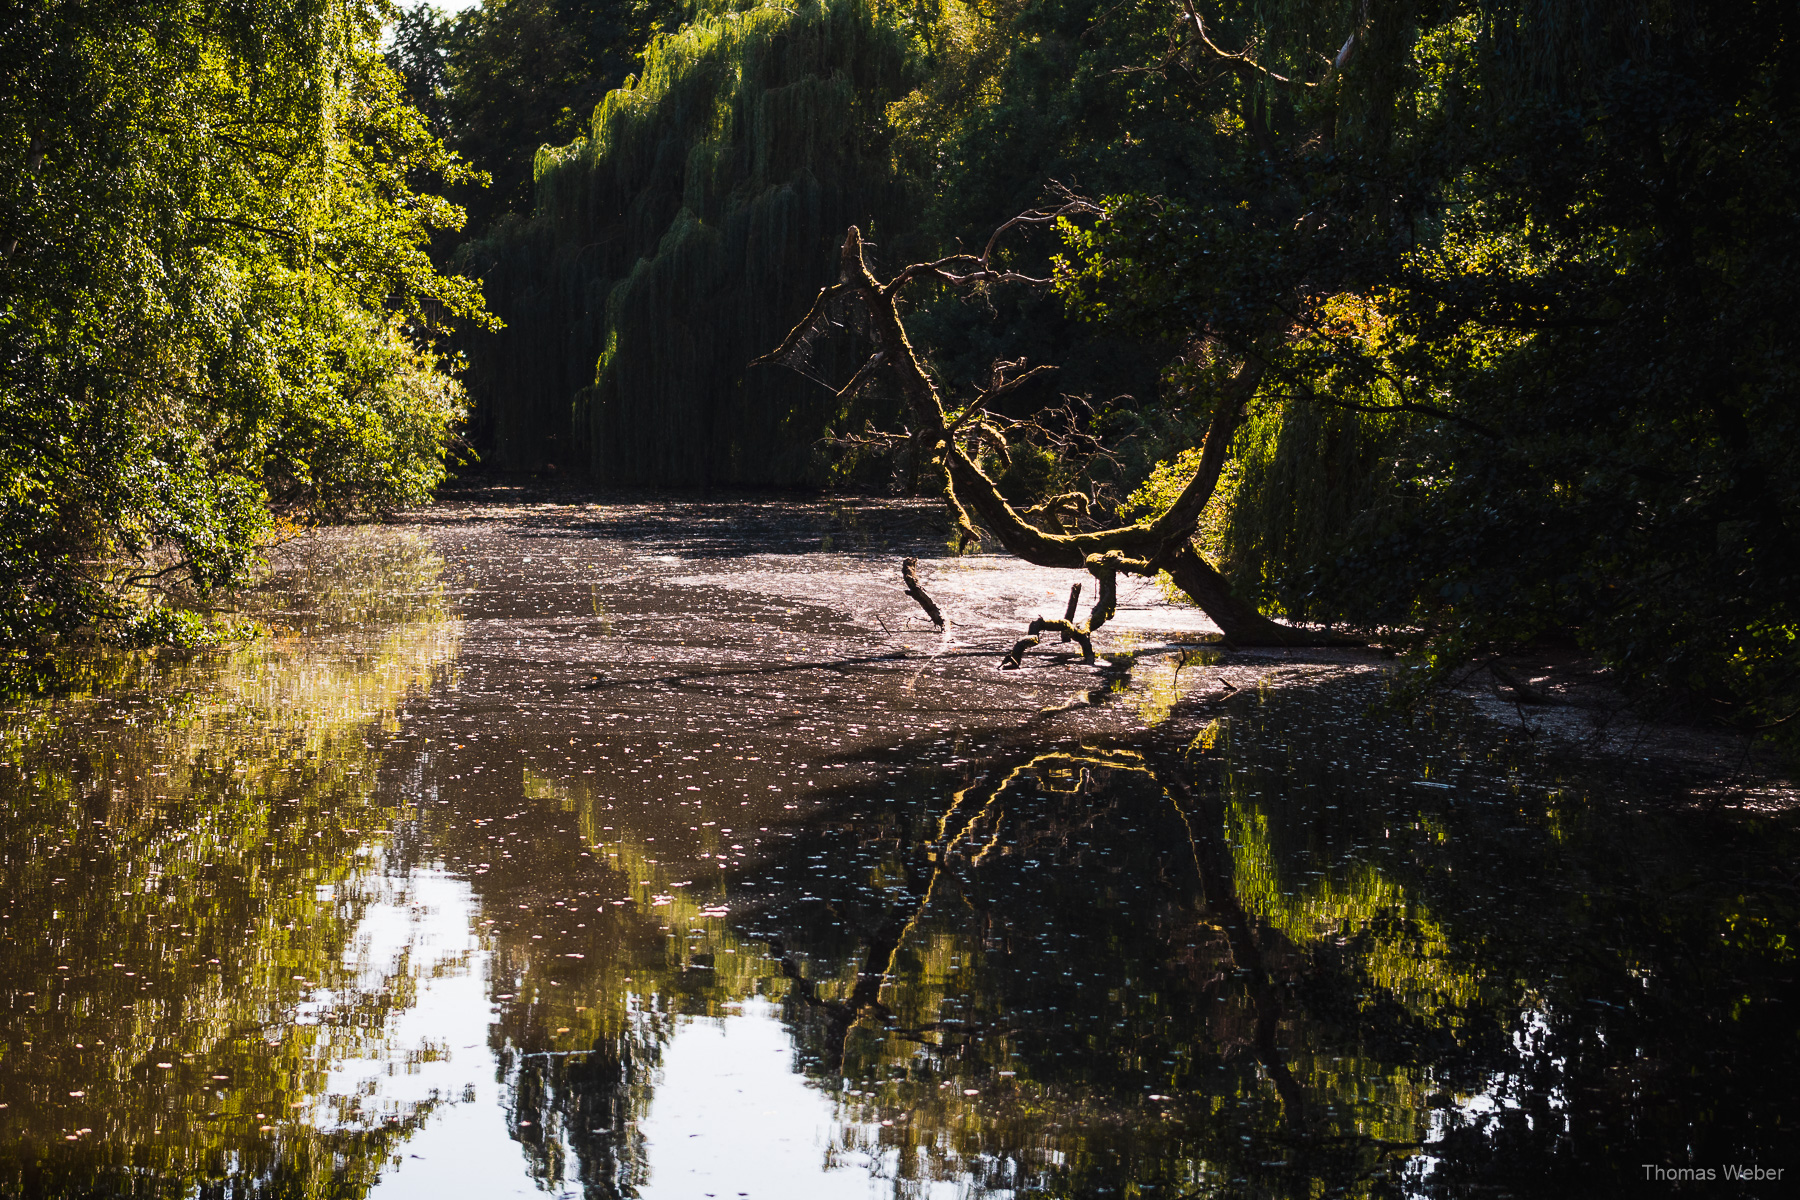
(1553, 698)
(1455, 329)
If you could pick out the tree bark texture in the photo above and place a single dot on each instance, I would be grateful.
(1145, 548)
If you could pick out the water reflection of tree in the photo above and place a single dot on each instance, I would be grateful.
(576, 981)
(180, 846)
(1044, 938)
(1258, 964)
(1365, 984)
(1078, 950)
(600, 944)
(1585, 968)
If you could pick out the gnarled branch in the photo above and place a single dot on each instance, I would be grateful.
(1142, 548)
(1079, 503)
(1069, 629)
(1246, 67)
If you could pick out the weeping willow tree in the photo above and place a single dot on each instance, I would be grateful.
(1307, 478)
(1304, 478)
(681, 239)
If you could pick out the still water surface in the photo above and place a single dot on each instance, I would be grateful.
(651, 850)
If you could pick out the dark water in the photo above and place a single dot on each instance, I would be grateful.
(653, 852)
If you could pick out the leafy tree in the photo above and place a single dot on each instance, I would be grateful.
(1019, 96)
(215, 300)
(676, 241)
(1542, 256)
(499, 80)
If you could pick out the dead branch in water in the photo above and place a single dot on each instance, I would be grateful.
(909, 574)
(1069, 629)
(1074, 602)
(1510, 687)
(1105, 568)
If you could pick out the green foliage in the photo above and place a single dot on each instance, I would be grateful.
(1018, 96)
(167, 627)
(214, 295)
(954, 118)
(1303, 480)
(1548, 251)
(500, 79)
(681, 240)
(1029, 476)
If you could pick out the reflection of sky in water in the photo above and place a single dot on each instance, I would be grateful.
(730, 1116)
(600, 871)
(423, 922)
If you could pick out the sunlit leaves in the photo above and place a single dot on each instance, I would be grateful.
(1564, 245)
(217, 298)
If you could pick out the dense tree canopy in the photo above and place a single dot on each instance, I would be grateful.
(214, 296)
(676, 240)
(498, 80)
(1518, 276)
(1495, 291)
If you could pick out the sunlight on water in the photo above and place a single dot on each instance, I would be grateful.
(508, 866)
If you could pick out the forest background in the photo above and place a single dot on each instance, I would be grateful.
(1496, 287)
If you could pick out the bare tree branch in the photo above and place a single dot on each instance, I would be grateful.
(1246, 67)
(863, 373)
(801, 329)
(1141, 548)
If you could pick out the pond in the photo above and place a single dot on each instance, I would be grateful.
(661, 849)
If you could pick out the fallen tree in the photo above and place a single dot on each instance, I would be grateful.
(949, 443)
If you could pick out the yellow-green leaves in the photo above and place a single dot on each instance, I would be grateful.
(218, 298)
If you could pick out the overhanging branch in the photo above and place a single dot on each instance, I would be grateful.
(1143, 547)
